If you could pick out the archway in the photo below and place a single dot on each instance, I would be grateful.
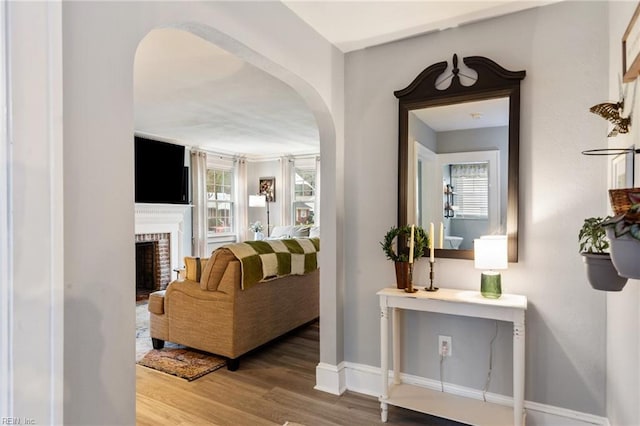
(327, 136)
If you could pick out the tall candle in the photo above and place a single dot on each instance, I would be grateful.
(411, 244)
(441, 235)
(432, 243)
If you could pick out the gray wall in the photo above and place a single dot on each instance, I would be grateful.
(563, 48)
(623, 312)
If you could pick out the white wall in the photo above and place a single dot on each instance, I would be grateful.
(98, 44)
(256, 170)
(623, 313)
(563, 48)
(32, 279)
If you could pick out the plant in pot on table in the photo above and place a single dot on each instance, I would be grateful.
(601, 273)
(395, 246)
(623, 231)
(256, 227)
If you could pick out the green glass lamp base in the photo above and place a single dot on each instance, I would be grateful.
(490, 285)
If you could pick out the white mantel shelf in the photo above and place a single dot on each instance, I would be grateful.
(509, 307)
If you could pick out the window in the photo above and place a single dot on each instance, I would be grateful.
(220, 206)
(470, 183)
(304, 195)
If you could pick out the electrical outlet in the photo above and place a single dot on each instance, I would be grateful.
(444, 345)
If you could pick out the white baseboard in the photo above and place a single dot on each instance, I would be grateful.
(330, 378)
(366, 380)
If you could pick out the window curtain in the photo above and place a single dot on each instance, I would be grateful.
(199, 196)
(285, 193)
(242, 197)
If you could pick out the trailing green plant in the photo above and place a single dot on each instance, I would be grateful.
(625, 223)
(592, 236)
(390, 243)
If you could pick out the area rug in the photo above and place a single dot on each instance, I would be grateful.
(185, 363)
(173, 359)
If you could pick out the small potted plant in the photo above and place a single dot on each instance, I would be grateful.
(601, 273)
(395, 246)
(256, 227)
(623, 230)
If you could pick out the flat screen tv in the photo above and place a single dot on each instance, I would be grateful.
(161, 176)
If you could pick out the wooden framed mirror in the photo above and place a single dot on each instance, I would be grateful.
(458, 156)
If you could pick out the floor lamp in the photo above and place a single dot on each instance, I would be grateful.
(260, 201)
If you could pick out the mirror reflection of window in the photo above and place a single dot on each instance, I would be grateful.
(470, 182)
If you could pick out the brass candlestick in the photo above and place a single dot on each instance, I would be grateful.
(431, 287)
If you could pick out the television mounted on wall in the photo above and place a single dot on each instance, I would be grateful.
(160, 172)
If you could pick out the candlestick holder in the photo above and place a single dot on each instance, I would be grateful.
(431, 287)
(409, 288)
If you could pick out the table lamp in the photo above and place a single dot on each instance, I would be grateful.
(490, 253)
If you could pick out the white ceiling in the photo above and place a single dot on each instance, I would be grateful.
(353, 25)
(191, 92)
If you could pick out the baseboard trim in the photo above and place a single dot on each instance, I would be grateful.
(365, 379)
(331, 378)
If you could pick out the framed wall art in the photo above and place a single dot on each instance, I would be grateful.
(631, 49)
(268, 188)
(622, 170)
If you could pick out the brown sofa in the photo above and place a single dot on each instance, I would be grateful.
(215, 315)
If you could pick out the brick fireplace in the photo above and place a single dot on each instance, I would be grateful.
(153, 262)
(159, 230)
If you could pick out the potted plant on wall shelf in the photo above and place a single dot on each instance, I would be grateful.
(601, 273)
(390, 245)
(623, 230)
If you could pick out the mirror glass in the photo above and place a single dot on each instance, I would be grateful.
(460, 159)
(458, 154)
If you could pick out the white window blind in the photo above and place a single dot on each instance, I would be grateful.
(471, 188)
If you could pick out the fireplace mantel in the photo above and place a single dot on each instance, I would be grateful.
(163, 218)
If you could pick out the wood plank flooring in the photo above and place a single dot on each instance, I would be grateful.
(274, 385)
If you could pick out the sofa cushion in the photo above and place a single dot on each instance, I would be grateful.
(214, 269)
(290, 231)
(314, 232)
(194, 266)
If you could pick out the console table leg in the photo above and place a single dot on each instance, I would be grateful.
(384, 412)
(384, 357)
(518, 372)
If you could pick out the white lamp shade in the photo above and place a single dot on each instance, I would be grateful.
(257, 200)
(490, 252)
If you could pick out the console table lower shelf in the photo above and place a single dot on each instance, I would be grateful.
(509, 307)
(458, 408)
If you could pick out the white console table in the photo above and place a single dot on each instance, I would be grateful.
(509, 307)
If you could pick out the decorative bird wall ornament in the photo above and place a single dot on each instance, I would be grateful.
(613, 112)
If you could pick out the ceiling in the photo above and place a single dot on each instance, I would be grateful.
(191, 92)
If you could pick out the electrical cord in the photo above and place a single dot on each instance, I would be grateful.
(486, 385)
(442, 373)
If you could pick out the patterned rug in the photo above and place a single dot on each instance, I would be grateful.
(185, 363)
(173, 359)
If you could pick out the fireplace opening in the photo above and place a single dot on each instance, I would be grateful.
(145, 267)
(153, 264)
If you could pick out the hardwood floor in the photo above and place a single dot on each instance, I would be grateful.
(274, 385)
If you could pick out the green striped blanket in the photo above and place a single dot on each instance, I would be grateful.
(270, 259)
